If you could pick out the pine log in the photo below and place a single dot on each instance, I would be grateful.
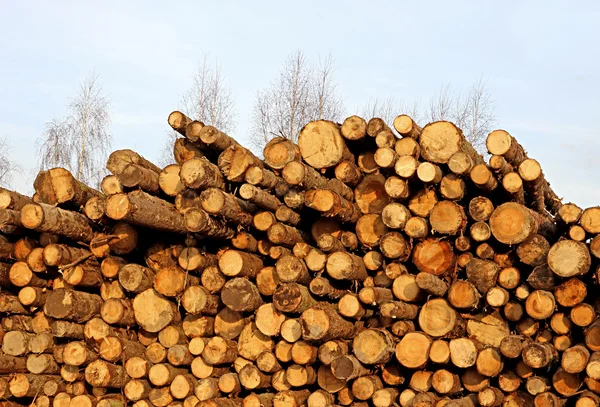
(184, 150)
(58, 186)
(321, 144)
(440, 140)
(345, 266)
(199, 173)
(433, 256)
(235, 160)
(239, 294)
(568, 258)
(145, 210)
(322, 322)
(331, 204)
(406, 127)
(266, 179)
(169, 180)
(12, 200)
(46, 218)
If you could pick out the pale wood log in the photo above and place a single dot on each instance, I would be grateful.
(178, 121)
(370, 195)
(345, 266)
(169, 180)
(266, 179)
(413, 350)
(398, 309)
(184, 150)
(58, 186)
(331, 204)
(321, 144)
(153, 312)
(20, 275)
(364, 387)
(46, 218)
(142, 209)
(568, 258)
(12, 200)
(78, 354)
(215, 139)
(110, 185)
(406, 126)
(512, 223)
(483, 178)
(322, 322)
(569, 213)
(235, 160)
(103, 374)
(191, 131)
(348, 173)
(433, 256)
(440, 140)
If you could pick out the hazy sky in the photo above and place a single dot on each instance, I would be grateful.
(540, 58)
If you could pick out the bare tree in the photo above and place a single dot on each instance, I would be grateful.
(80, 142)
(89, 123)
(473, 112)
(8, 166)
(302, 92)
(54, 149)
(208, 100)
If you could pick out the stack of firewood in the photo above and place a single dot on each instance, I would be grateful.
(366, 265)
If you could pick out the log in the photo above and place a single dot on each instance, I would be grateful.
(142, 209)
(57, 186)
(266, 179)
(184, 150)
(413, 350)
(440, 140)
(239, 294)
(169, 180)
(72, 305)
(406, 127)
(45, 218)
(152, 311)
(322, 322)
(12, 200)
(321, 144)
(512, 223)
(199, 173)
(578, 256)
(433, 256)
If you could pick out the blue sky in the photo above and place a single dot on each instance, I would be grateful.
(541, 60)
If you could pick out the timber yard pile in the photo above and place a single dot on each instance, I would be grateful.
(365, 265)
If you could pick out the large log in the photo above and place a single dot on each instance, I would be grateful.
(321, 144)
(45, 218)
(142, 209)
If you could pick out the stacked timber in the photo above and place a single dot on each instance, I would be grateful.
(370, 264)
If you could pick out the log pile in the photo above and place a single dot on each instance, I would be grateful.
(370, 264)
